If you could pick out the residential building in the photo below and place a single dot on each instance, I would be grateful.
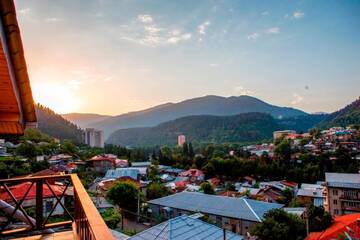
(185, 227)
(311, 194)
(279, 134)
(193, 175)
(235, 214)
(94, 137)
(181, 140)
(342, 193)
(117, 173)
(104, 162)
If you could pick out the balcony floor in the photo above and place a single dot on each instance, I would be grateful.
(67, 235)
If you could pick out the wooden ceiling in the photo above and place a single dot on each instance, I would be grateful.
(17, 108)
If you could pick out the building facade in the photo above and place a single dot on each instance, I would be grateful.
(181, 140)
(342, 193)
(94, 137)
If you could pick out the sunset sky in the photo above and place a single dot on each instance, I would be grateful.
(111, 57)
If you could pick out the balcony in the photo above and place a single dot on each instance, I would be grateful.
(349, 198)
(26, 214)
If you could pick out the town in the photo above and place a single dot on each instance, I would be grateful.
(139, 192)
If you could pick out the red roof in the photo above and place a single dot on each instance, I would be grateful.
(339, 226)
(214, 181)
(289, 184)
(192, 173)
(19, 190)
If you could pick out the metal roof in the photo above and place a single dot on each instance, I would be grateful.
(183, 228)
(122, 172)
(343, 180)
(239, 208)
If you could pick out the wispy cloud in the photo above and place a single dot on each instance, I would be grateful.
(202, 27)
(24, 11)
(273, 30)
(53, 19)
(145, 18)
(253, 36)
(239, 90)
(298, 14)
(297, 99)
(213, 65)
(265, 13)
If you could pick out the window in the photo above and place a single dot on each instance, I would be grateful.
(335, 192)
(335, 201)
(336, 211)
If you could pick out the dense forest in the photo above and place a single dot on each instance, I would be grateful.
(55, 125)
(245, 127)
(346, 116)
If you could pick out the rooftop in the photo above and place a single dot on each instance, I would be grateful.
(184, 227)
(239, 208)
(343, 180)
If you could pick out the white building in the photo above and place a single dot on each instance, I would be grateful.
(181, 140)
(94, 137)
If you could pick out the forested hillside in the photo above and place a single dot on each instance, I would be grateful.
(246, 127)
(55, 125)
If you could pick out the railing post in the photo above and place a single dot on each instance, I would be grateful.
(39, 204)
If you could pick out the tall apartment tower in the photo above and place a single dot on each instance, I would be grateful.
(181, 140)
(94, 137)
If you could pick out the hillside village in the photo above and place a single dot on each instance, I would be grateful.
(187, 186)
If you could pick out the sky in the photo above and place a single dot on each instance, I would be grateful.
(112, 57)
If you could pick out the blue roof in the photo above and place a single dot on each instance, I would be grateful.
(182, 228)
(122, 172)
(239, 208)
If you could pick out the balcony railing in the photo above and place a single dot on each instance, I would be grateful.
(79, 211)
(350, 198)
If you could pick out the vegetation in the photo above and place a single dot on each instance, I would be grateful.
(207, 188)
(111, 217)
(124, 194)
(277, 224)
(319, 219)
(156, 190)
(55, 125)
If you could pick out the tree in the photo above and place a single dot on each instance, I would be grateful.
(319, 219)
(156, 190)
(111, 217)
(286, 196)
(124, 194)
(207, 188)
(277, 224)
(68, 147)
(283, 150)
(28, 149)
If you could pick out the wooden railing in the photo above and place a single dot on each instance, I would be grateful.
(83, 216)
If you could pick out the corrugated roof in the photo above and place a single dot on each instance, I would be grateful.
(183, 228)
(122, 172)
(240, 208)
(343, 180)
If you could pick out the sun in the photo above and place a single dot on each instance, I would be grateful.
(56, 96)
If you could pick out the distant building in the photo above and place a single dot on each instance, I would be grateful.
(181, 140)
(342, 193)
(94, 137)
(104, 162)
(279, 134)
(311, 194)
(235, 214)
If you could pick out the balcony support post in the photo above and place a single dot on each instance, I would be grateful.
(39, 204)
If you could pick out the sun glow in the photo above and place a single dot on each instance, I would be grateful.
(56, 96)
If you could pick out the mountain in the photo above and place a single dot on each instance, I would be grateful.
(345, 116)
(207, 105)
(245, 127)
(85, 120)
(302, 123)
(55, 125)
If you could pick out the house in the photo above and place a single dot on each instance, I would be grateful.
(141, 164)
(249, 180)
(185, 227)
(342, 193)
(341, 226)
(101, 204)
(194, 175)
(104, 162)
(311, 194)
(62, 158)
(30, 200)
(269, 194)
(117, 173)
(235, 214)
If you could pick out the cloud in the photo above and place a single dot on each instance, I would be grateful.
(253, 36)
(298, 14)
(214, 65)
(239, 90)
(273, 30)
(202, 27)
(145, 18)
(264, 13)
(53, 19)
(146, 31)
(296, 99)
